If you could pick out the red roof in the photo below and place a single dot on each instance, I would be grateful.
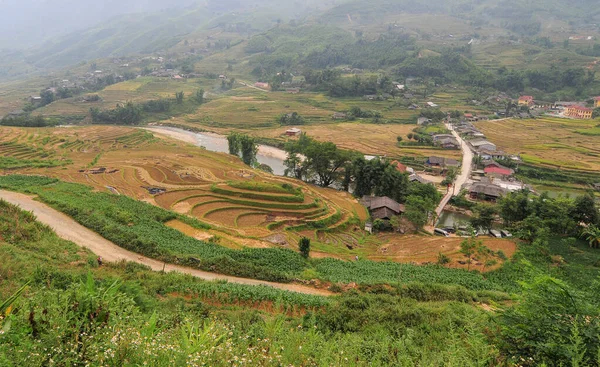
(498, 170)
(596, 98)
(526, 98)
(399, 166)
(581, 108)
(468, 115)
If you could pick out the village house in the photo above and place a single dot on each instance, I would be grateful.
(596, 102)
(511, 185)
(526, 101)
(490, 155)
(432, 105)
(486, 191)
(442, 162)
(35, 99)
(293, 132)
(423, 121)
(561, 105)
(293, 90)
(382, 207)
(400, 167)
(579, 112)
(495, 169)
(416, 178)
(340, 116)
(440, 165)
(481, 144)
(447, 143)
(473, 133)
(261, 85)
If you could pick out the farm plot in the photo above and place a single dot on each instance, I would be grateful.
(550, 142)
(244, 207)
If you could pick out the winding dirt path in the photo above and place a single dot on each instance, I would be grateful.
(66, 228)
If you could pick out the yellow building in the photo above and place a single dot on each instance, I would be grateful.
(596, 102)
(526, 101)
(579, 112)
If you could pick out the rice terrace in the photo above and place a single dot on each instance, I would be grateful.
(244, 208)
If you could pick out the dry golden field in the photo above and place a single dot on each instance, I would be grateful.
(552, 142)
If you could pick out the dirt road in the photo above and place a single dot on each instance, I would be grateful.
(465, 172)
(66, 228)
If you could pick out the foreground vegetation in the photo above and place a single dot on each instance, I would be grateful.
(75, 313)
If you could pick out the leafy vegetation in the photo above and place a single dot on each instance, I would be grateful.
(171, 319)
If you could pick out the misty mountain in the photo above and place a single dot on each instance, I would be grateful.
(66, 32)
(24, 23)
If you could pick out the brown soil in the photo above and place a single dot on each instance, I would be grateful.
(425, 249)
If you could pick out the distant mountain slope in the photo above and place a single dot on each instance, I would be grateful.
(148, 32)
(25, 23)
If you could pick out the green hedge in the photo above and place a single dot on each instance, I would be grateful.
(264, 187)
(250, 195)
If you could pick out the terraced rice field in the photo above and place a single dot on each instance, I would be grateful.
(243, 206)
(250, 211)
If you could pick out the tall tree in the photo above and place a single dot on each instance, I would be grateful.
(585, 210)
(484, 215)
(249, 149)
(304, 246)
(200, 96)
(179, 97)
(468, 247)
(233, 141)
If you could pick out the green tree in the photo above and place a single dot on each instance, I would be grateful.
(234, 143)
(47, 97)
(200, 96)
(468, 247)
(249, 148)
(515, 207)
(418, 210)
(584, 210)
(304, 246)
(179, 97)
(484, 216)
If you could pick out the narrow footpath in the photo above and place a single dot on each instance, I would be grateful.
(68, 229)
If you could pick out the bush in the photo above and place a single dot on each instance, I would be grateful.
(443, 259)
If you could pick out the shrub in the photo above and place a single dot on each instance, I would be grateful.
(443, 259)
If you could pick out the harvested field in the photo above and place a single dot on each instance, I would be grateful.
(423, 250)
(251, 220)
(551, 142)
(226, 217)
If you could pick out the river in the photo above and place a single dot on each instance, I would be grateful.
(271, 156)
